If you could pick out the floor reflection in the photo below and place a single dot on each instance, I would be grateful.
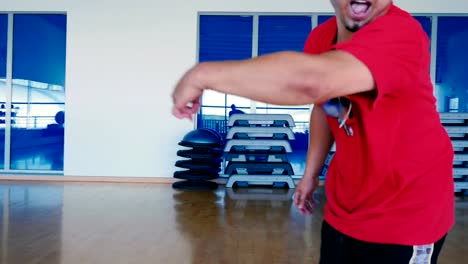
(31, 223)
(153, 223)
(202, 227)
(246, 225)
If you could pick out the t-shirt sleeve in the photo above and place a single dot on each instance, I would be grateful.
(320, 38)
(392, 48)
(312, 43)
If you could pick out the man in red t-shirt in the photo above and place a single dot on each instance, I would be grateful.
(389, 186)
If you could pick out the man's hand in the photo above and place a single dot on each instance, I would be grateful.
(187, 94)
(303, 195)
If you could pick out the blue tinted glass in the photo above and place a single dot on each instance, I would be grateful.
(426, 23)
(451, 74)
(38, 95)
(300, 144)
(322, 19)
(39, 48)
(281, 33)
(3, 44)
(3, 58)
(225, 37)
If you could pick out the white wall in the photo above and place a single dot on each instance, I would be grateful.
(123, 58)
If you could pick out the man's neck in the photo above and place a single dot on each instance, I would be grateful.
(343, 35)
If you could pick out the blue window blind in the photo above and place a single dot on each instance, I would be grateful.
(281, 33)
(450, 31)
(39, 43)
(3, 44)
(322, 19)
(225, 37)
(426, 23)
(451, 73)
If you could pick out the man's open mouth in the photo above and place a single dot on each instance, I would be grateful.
(359, 8)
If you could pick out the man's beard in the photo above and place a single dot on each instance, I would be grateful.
(353, 27)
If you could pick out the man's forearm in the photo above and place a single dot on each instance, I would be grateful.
(320, 142)
(284, 78)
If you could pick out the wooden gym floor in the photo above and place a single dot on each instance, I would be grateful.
(84, 223)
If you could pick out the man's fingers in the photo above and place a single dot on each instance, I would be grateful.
(306, 208)
(181, 110)
(176, 112)
(299, 200)
(181, 113)
(304, 203)
(296, 198)
(195, 106)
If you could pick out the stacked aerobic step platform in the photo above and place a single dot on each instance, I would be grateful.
(202, 163)
(456, 125)
(256, 150)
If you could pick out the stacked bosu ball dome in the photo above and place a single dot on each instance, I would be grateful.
(202, 162)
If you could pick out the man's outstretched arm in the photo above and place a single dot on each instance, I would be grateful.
(283, 78)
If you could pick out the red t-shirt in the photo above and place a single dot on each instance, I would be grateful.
(392, 181)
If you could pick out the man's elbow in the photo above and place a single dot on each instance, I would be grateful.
(314, 89)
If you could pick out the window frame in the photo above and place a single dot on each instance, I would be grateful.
(9, 83)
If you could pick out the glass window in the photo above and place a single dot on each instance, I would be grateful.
(223, 37)
(38, 94)
(451, 77)
(281, 33)
(301, 117)
(287, 33)
(3, 63)
(3, 44)
(322, 19)
(426, 23)
(240, 102)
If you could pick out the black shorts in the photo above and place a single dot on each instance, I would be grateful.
(337, 248)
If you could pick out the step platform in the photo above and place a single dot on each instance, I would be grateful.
(457, 131)
(260, 144)
(460, 172)
(254, 179)
(454, 118)
(459, 145)
(260, 133)
(460, 160)
(461, 186)
(260, 194)
(259, 168)
(258, 156)
(275, 120)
